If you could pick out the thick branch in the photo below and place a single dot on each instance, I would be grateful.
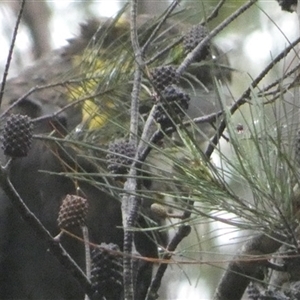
(130, 203)
(244, 266)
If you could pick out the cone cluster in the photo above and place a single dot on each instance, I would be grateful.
(172, 101)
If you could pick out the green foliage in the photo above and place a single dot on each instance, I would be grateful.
(192, 172)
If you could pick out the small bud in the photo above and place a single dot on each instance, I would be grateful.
(159, 210)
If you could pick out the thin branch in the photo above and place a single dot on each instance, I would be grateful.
(215, 12)
(192, 55)
(86, 241)
(182, 232)
(294, 70)
(160, 24)
(11, 50)
(163, 51)
(139, 65)
(245, 96)
(54, 246)
(179, 40)
(33, 90)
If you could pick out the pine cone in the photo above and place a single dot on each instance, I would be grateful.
(173, 94)
(288, 5)
(164, 76)
(162, 118)
(107, 271)
(17, 135)
(72, 212)
(173, 100)
(273, 295)
(196, 34)
(253, 292)
(120, 156)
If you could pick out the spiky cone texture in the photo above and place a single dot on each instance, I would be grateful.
(173, 100)
(17, 135)
(193, 37)
(163, 76)
(72, 212)
(253, 292)
(107, 271)
(120, 156)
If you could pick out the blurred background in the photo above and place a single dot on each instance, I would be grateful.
(250, 43)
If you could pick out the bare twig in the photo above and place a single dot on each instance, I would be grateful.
(277, 82)
(11, 50)
(130, 203)
(245, 96)
(192, 55)
(160, 24)
(85, 235)
(215, 12)
(54, 246)
(182, 232)
(33, 90)
(163, 51)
